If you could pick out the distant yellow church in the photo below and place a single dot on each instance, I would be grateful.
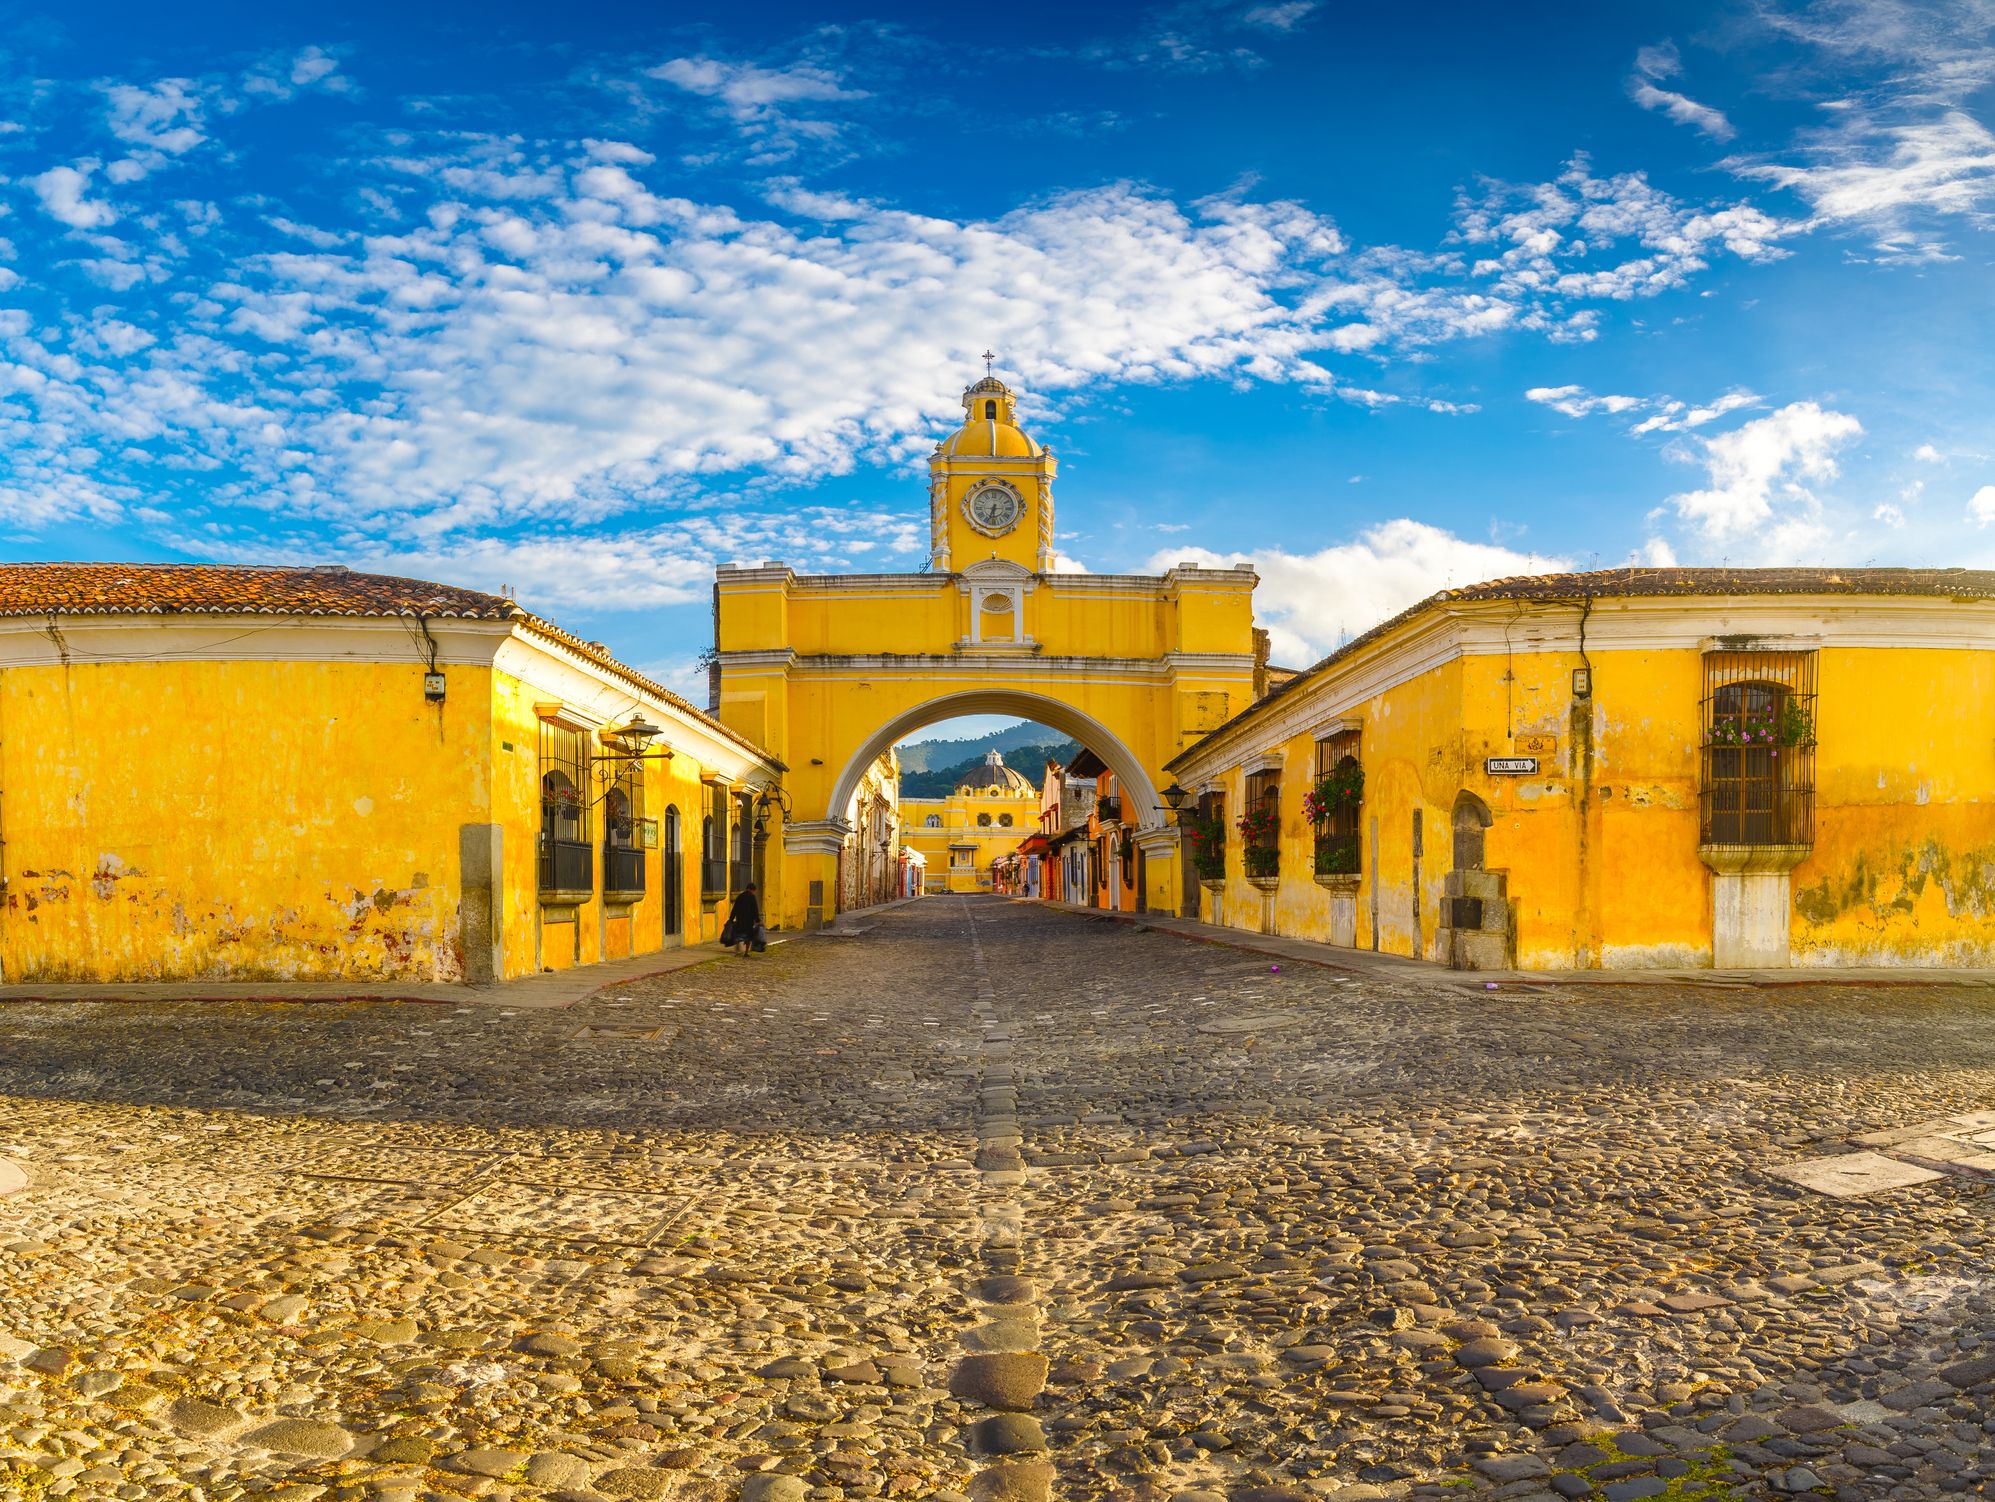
(961, 836)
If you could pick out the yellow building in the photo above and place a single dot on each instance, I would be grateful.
(296, 773)
(1634, 768)
(828, 671)
(960, 836)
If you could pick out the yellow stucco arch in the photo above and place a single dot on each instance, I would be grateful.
(1128, 768)
(827, 671)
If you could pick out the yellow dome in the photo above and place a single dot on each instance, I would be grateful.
(985, 438)
(990, 428)
(995, 777)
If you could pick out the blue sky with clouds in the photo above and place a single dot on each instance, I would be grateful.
(585, 301)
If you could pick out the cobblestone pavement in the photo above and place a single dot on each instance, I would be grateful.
(988, 1198)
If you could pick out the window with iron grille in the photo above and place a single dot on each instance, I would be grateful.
(564, 809)
(623, 814)
(1334, 804)
(713, 846)
(1207, 833)
(1758, 753)
(1260, 824)
(740, 845)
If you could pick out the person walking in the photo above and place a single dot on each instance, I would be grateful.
(743, 928)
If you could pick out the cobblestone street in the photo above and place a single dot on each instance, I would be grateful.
(985, 1198)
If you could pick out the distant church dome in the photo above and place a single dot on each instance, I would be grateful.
(990, 426)
(994, 777)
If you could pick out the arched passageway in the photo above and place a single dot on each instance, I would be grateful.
(1090, 732)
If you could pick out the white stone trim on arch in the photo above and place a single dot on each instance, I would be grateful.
(1137, 785)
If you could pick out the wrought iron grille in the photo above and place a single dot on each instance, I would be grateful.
(564, 782)
(565, 849)
(623, 818)
(1337, 844)
(1758, 753)
(713, 878)
(623, 870)
(1264, 795)
(564, 865)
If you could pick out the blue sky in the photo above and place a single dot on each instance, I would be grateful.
(583, 302)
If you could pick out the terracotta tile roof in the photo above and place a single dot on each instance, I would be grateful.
(320, 589)
(1615, 583)
(1606, 582)
(231, 589)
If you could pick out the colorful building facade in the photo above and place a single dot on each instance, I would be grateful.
(273, 773)
(1637, 768)
(962, 838)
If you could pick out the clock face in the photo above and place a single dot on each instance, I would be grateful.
(994, 508)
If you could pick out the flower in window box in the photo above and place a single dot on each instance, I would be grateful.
(1340, 788)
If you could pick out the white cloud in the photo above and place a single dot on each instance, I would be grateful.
(779, 109)
(1682, 109)
(284, 76)
(63, 193)
(1925, 453)
(1764, 463)
(1906, 149)
(1653, 64)
(1560, 240)
(1981, 506)
(530, 335)
(1310, 602)
(1202, 36)
(1285, 16)
(1654, 553)
(1892, 516)
(751, 93)
(1876, 171)
(165, 119)
(1575, 401)
(1666, 414)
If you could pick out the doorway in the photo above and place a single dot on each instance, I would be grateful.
(671, 895)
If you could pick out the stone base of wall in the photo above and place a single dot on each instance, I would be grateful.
(1477, 932)
(1749, 920)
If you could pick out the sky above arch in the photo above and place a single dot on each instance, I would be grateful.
(583, 303)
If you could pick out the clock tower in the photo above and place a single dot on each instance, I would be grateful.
(990, 488)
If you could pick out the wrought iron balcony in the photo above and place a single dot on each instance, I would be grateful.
(565, 866)
(623, 871)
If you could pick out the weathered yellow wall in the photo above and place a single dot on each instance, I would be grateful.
(1903, 870)
(1601, 847)
(253, 820)
(595, 935)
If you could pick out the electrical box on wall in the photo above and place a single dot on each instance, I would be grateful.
(433, 687)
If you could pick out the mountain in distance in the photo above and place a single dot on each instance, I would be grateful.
(923, 756)
(940, 782)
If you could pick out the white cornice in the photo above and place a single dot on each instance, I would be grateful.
(769, 657)
(998, 664)
(29, 641)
